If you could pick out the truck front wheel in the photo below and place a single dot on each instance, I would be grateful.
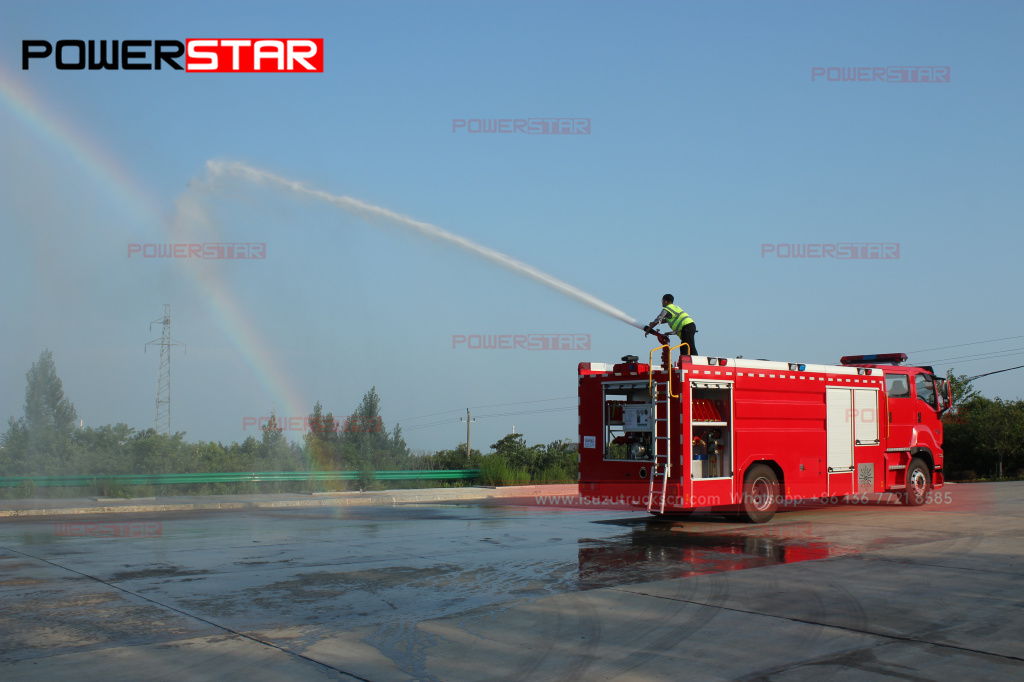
(760, 494)
(918, 483)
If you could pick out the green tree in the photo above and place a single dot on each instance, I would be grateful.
(963, 389)
(41, 441)
(103, 450)
(398, 450)
(558, 463)
(362, 431)
(1000, 432)
(514, 451)
(13, 459)
(985, 436)
(158, 453)
(275, 453)
(368, 445)
(323, 442)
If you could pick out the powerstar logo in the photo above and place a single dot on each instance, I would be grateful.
(202, 55)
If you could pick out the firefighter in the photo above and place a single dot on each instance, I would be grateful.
(682, 324)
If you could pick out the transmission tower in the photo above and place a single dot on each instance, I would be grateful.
(162, 422)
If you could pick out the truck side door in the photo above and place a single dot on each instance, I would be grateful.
(927, 409)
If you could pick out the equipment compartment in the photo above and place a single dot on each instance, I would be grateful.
(711, 429)
(627, 424)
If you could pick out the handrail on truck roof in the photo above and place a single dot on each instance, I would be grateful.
(650, 365)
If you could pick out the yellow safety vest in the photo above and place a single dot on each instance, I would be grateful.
(677, 319)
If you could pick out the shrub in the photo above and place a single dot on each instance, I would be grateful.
(111, 488)
(26, 490)
(494, 470)
(554, 474)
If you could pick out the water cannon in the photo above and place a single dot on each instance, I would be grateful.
(666, 354)
(662, 338)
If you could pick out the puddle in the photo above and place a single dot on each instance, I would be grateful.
(663, 549)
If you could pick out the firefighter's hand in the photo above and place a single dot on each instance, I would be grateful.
(647, 330)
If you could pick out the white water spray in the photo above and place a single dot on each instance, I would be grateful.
(370, 212)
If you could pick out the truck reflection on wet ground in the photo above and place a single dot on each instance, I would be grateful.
(660, 549)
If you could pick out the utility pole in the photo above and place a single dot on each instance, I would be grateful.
(163, 386)
(468, 419)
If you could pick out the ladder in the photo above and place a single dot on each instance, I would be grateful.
(661, 443)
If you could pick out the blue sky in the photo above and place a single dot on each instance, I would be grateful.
(708, 139)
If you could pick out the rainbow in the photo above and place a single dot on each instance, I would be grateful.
(102, 166)
(118, 182)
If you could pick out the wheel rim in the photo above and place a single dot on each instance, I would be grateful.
(761, 494)
(918, 483)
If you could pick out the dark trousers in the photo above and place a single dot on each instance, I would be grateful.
(686, 336)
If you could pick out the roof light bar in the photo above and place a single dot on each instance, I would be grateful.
(877, 359)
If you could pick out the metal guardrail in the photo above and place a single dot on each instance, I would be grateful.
(237, 477)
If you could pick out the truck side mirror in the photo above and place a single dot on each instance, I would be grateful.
(945, 394)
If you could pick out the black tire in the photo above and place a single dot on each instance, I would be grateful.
(760, 494)
(919, 483)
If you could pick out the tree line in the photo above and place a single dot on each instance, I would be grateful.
(983, 437)
(46, 441)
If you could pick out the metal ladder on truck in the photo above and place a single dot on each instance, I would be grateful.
(661, 444)
(660, 437)
(661, 431)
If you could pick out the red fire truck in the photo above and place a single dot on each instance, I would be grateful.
(745, 435)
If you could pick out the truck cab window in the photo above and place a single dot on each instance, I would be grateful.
(897, 385)
(925, 384)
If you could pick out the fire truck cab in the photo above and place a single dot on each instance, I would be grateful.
(744, 436)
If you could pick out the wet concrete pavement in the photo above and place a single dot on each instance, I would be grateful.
(471, 591)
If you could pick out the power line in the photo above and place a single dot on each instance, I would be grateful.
(972, 343)
(995, 372)
(524, 402)
(425, 416)
(454, 420)
(512, 414)
(475, 407)
(450, 420)
(978, 356)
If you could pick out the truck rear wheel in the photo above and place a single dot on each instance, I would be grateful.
(919, 482)
(760, 494)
